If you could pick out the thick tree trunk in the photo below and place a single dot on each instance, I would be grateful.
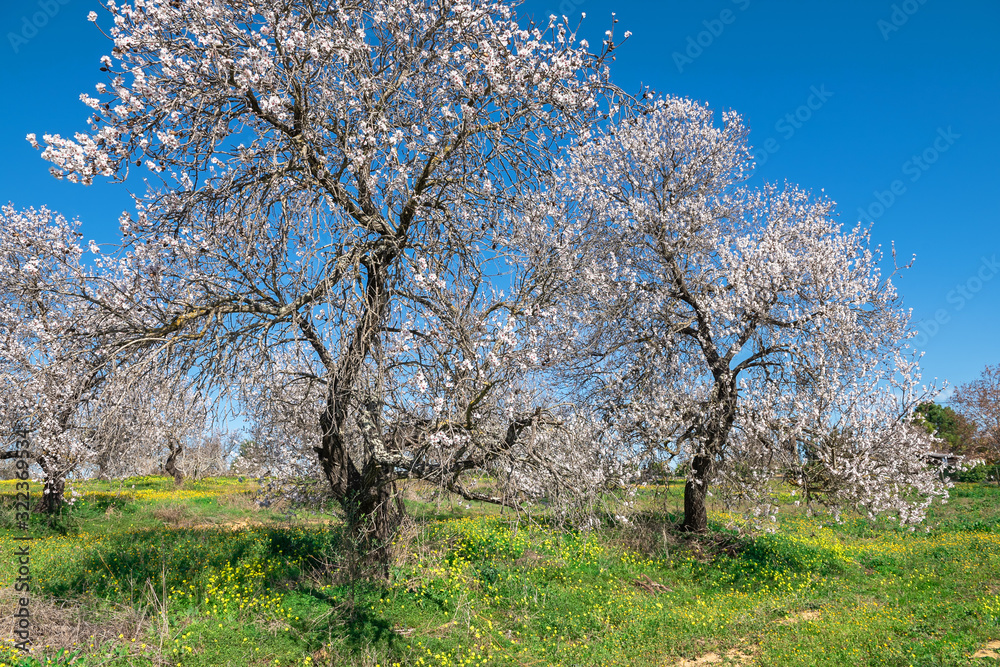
(176, 449)
(374, 516)
(102, 466)
(695, 491)
(372, 505)
(51, 500)
(716, 433)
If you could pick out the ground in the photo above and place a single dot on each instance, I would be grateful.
(140, 573)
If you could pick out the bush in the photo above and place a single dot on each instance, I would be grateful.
(980, 473)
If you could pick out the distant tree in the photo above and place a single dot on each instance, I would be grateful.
(150, 415)
(952, 427)
(978, 401)
(84, 408)
(211, 453)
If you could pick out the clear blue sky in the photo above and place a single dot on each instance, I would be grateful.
(903, 95)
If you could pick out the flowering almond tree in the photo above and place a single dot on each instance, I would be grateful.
(463, 388)
(741, 329)
(82, 405)
(148, 418)
(324, 176)
(52, 367)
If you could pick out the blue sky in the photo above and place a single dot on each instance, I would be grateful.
(890, 107)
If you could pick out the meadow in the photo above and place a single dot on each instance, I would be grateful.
(138, 572)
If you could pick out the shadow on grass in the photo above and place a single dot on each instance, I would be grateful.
(121, 563)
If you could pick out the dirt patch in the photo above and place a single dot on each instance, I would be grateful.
(173, 515)
(730, 657)
(989, 651)
(707, 659)
(803, 616)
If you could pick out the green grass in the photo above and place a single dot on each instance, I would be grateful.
(200, 576)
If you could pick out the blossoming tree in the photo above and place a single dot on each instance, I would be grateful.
(979, 402)
(363, 223)
(329, 182)
(149, 418)
(68, 382)
(741, 329)
(52, 368)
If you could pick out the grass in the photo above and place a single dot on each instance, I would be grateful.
(154, 575)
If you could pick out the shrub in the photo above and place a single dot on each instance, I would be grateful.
(980, 473)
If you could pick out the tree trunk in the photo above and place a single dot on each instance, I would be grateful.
(716, 433)
(368, 496)
(695, 491)
(102, 466)
(374, 516)
(371, 502)
(51, 500)
(52, 495)
(176, 449)
(373, 510)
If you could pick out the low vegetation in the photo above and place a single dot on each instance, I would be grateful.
(143, 573)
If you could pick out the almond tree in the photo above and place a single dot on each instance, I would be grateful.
(740, 329)
(66, 379)
(312, 159)
(464, 388)
(148, 418)
(51, 366)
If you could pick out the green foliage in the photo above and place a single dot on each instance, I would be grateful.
(946, 424)
(980, 473)
(975, 474)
